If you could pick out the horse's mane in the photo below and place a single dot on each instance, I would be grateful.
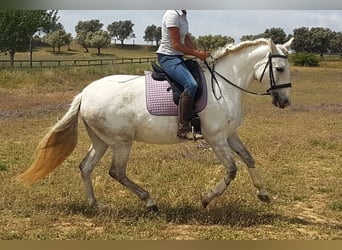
(230, 48)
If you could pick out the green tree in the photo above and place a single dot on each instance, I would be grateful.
(82, 28)
(57, 39)
(302, 41)
(153, 33)
(277, 35)
(320, 40)
(210, 42)
(314, 40)
(17, 28)
(336, 43)
(68, 40)
(247, 38)
(98, 39)
(121, 30)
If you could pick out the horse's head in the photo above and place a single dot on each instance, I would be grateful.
(276, 70)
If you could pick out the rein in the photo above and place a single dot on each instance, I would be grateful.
(273, 85)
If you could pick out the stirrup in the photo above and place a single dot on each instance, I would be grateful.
(192, 136)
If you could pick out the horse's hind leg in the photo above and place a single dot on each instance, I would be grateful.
(95, 153)
(121, 153)
(237, 145)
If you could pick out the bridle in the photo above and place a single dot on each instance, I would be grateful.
(273, 84)
(268, 64)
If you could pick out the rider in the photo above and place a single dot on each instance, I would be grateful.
(176, 42)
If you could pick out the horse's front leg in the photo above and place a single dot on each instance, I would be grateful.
(237, 145)
(223, 152)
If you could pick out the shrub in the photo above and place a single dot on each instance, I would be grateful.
(305, 59)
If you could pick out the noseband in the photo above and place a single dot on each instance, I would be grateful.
(273, 84)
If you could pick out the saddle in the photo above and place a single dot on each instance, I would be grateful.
(158, 74)
(160, 101)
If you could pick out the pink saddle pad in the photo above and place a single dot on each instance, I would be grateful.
(159, 101)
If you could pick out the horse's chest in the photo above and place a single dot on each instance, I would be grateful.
(232, 121)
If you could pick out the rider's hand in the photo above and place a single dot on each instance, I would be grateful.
(201, 54)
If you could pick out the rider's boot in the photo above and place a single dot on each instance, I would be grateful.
(185, 115)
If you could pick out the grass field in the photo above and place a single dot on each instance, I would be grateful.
(298, 152)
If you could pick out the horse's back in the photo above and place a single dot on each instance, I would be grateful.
(111, 96)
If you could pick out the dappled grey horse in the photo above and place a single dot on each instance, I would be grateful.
(114, 113)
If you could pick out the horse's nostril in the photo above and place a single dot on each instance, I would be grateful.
(286, 103)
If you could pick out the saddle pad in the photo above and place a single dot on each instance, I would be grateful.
(159, 101)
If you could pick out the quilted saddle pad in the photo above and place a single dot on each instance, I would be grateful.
(159, 100)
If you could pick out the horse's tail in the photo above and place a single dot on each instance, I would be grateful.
(55, 146)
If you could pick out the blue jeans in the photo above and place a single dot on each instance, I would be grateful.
(175, 68)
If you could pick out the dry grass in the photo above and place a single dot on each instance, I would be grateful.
(298, 152)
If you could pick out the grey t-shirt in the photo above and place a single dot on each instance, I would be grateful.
(172, 18)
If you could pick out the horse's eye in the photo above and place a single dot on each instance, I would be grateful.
(279, 69)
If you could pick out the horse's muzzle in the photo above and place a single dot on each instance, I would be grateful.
(279, 100)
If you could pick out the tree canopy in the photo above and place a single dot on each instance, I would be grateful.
(98, 39)
(152, 34)
(316, 40)
(277, 35)
(83, 27)
(17, 28)
(121, 30)
(210, 42)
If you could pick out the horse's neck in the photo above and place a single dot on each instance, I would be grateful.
(239, 67)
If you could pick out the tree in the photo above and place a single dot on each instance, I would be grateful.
(210, 42)
(320, 40)
(277, 35)
(82, 28)
(247, 38)
(302, 39)
(121, 30)
(314, 40)
(68, 40)
(17, 28)
(336, 43)
(57, 39)
(153, 33)
(98, 39)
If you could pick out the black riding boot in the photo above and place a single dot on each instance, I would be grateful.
(185, 115)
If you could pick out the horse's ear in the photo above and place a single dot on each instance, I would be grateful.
(286, 47)
(288, 44)
(273, 47)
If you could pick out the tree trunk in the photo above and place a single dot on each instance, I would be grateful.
(98, 51)
(86, 49)
(12, 53)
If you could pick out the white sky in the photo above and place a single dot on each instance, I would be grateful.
(234, 23)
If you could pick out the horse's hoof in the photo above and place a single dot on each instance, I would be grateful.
(264, 197)
(205, 199)
(99, 206)
(153, 209)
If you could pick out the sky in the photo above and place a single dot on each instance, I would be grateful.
(233, 23)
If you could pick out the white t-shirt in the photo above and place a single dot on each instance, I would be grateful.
(172, 18)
